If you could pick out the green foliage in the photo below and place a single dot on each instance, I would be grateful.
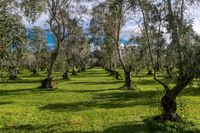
(32, 9)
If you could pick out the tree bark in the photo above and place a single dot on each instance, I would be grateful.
(34, 72)
(48, 82)
(84, 68)
(149, 70)
(13, 77)
(117, 75)
(66, 75)
(168, 102)
(74, 71)
(13, 74)
(169, 105)
(128, 79)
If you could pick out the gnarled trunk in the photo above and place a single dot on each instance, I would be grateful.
(168, 102)
(47, 83)
(169, 105)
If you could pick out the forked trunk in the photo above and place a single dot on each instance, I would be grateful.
(169, 105)
(168, 102)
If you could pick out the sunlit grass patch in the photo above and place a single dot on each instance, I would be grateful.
(92, 101)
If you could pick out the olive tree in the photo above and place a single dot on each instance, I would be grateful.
(12, 39)
(112, 23)
(180, 53)
(37, 51)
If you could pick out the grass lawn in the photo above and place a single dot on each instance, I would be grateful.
(92, 102)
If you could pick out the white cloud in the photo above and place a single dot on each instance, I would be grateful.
(41, 21)
(130, 29)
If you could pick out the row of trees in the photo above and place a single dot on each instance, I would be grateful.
(28, 48)
(177, 57)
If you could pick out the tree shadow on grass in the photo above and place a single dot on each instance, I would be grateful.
(89, 90)
(62, 107)
(50, 128)
(99, 82)
(191, 91)
(109, 100)
(24, 91)
(146, 82)
(92, 75)
(128, 95)
(6, 102)
(54, 128)
(16, 92)
(22, 81)
(31, 128)
(128, 128)
(33, 76)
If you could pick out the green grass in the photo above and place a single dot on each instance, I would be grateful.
(92, 101)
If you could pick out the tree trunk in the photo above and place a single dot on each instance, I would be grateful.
(157, 66)
(48, 82)
(13, 75)
(117, 75)
(128, 80)
(66, 75)
(84, 68)
(169, 105)
(168, 102)
(149, 70)
(34, 72)
(168, 72)
(74, 71)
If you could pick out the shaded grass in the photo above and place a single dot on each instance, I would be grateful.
(91, 102)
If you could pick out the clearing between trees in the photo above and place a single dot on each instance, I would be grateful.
(92, 101)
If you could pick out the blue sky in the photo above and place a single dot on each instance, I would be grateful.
(50, 38)
(130, 29)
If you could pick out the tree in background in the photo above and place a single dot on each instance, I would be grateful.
(61, 14)
(113, 20)
(13, 39)
(76, 51)
(37, 50)
(102, 40)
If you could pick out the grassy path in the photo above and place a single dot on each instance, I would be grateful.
(91, 102)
